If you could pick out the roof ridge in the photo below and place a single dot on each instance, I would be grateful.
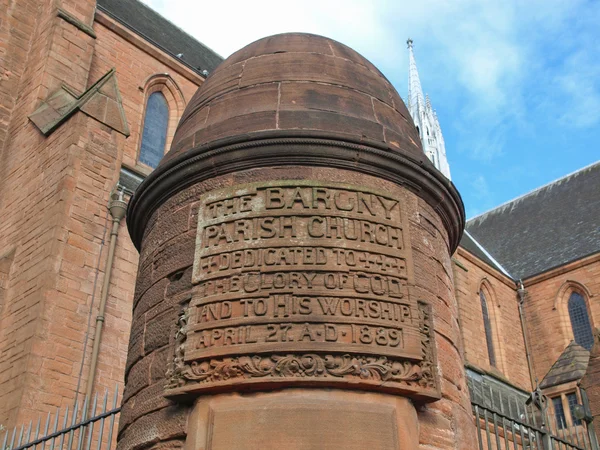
(534, 191)
(143, 2)
(489, 255)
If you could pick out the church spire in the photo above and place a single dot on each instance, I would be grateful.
(415, 92)
(425, 118)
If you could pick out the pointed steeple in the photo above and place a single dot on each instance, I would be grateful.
(415, 92)
(425, 118)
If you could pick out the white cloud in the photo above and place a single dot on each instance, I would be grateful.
(483, 61)
(228, 26)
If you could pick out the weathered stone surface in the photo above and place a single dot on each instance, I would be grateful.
(303, 419)
(168, 229)
(146, 401)
(159, 364)
(151, 297)
(136, 344)
(180, 282)
(300, 241)
(163, 425)
(137, 378)
(331, 264)
(158, 330)
(176, 255)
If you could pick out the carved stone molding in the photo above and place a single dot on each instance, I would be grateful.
(268, 149)
(362, 371)
(303, 283)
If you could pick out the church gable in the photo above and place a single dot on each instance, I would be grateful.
(570, 366)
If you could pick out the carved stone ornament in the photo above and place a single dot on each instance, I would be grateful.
(301, 283)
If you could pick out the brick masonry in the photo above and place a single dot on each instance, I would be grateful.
(53, 197)
(545, 311)
(547, 308)
(502, 301)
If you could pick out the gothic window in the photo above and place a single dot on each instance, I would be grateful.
(572, 400)
(580, 321)
(488, 329)
(559, 412)
(154, 135)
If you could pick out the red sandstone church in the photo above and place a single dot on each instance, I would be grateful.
(90, 98)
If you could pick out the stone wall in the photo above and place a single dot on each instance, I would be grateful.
(546, 307)
(502, 301)
(53, 196)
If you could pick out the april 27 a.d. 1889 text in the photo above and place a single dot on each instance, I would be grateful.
(301, 268)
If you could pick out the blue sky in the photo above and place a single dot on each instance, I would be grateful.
(516, 83)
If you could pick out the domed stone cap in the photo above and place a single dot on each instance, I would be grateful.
(297, 82)
(296, 99)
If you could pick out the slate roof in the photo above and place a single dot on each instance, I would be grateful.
(160, 32)
(472, 246)
(548, 227)
(570, 366)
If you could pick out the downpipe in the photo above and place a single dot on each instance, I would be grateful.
(521, 292)
(117, 206)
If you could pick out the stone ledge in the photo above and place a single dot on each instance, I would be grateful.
(274, 148)
(67, 17)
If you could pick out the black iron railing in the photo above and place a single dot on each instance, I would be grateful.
(498, 431)
(88, 426)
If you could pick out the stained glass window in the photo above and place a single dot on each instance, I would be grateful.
(154, 135)
(580, 321)
(488, 329)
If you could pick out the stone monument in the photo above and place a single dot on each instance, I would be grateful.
(295, 288)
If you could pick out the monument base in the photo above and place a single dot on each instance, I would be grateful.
(298, 419)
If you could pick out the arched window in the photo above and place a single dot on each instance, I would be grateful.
(154, 135)
(580, 321)
(488, 329)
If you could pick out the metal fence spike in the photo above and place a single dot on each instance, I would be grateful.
(55, 428)
(46, 427)
(90, 426)
(37, 428)
(101, 430)
(5, 439)
(12, 441)
(64, 427)
(20, 435)
(112, 419)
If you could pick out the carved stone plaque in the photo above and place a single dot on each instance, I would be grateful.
(300, 282)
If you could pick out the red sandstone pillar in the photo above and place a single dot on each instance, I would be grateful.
(295, 287)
